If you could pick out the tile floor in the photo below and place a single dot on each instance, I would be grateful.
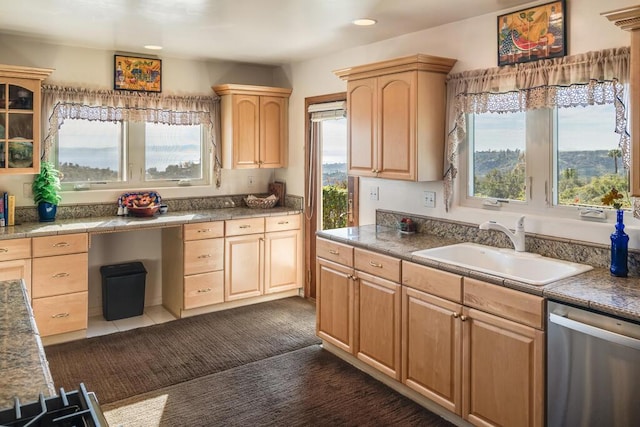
(151, 316)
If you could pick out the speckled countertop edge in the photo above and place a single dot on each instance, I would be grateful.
(124, 223)
(595, 289)
(23, 365)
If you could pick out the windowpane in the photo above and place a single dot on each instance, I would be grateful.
(173, 152)
(497, 156)
(90, 151)
(588, 159)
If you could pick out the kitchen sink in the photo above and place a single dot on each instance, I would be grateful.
(525, 267)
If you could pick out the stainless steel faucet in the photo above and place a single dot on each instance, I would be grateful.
(516, 238)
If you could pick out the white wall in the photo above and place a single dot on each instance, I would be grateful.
(473, 43)
(92, 68)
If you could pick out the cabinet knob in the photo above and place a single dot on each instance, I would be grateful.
(463, 318)
(375, 264)
(202, 291)
(455, 315)
(4, 250)
(60, 245)
(283, 222)
(244, 226)
(334, 252)
(204, 256)
(204, 230)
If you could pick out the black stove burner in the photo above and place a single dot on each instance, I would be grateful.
(69, 409)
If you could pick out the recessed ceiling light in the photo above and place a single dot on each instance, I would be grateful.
(153, 47)
(364, 21)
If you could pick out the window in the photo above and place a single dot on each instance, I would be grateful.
(548, 158)
(497, 150)
(588, 162)
(119, 154)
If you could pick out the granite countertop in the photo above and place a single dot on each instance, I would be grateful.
(124, 223)
(23, 366)
(595, 289)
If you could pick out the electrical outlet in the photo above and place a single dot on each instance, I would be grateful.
(373, 193)
(430, 199)
(250, 181)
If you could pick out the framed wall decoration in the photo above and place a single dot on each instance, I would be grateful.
(137, 74)
(538, 32)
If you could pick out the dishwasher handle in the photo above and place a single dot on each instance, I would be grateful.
(595, 332)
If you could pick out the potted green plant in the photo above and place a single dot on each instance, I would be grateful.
(46, 186)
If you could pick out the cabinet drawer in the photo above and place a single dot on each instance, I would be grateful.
(60, 245)
(11, 249)
(435, 282)
(202, 256)
(204, 230)
(59, 275)
(282, 223)
(238, 227)
(336, 252)
(504, 302)
(379, 265)
(62, 313)
(203, 289)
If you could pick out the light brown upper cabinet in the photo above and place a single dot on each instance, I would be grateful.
(20, 102)
(254, 126)
(629, 20)
(396, 117)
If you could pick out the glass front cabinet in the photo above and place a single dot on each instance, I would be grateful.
(20, 106)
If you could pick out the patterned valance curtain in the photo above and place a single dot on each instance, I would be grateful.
(592, 78)
(61, 103)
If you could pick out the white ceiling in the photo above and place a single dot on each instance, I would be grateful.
(257, 31)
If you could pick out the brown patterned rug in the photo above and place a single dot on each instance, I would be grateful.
(306, 387)
(133, 362)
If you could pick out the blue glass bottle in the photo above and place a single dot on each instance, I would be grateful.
(619, 248)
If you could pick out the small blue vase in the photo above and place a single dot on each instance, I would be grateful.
(619, 248)
(47, 211)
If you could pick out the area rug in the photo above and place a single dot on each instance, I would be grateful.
(133, 362)
(306, 387)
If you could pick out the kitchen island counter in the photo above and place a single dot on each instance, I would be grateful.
(24, 372)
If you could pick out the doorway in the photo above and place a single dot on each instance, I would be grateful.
(330, 194)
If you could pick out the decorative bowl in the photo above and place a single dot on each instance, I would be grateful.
(143, 211)
(261, 203)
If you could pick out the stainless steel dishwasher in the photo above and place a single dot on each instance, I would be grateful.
(593, 369)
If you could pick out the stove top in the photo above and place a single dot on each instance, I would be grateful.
(77, 408)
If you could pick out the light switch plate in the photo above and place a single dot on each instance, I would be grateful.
(430, 199)
(373, 193)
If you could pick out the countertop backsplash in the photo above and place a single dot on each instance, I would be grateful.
(566, 249)
(25, 214)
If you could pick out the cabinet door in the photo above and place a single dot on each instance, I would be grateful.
(503, 371)
(361, 127)
(243, 270)
(378, 303)
(432, 347)
(20, 125)
(246, 131)
(282, 257)
(396, 125)
(273, 132)
(335, 304)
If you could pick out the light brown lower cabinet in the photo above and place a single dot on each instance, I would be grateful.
(335, 295)
(243, 266)
(377, 317)
(474, 348)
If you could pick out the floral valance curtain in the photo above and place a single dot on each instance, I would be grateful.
(61, 103)
(591, 78)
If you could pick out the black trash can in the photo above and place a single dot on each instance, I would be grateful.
(123, 290)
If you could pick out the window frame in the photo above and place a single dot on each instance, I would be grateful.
(132, 163)
(541, 192)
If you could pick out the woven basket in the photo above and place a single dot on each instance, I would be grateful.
(258, 203)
